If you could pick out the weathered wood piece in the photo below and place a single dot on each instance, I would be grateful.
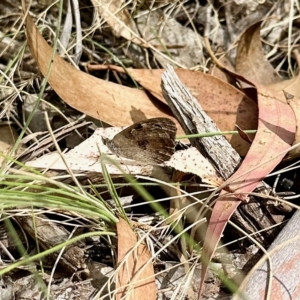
(285, 283)
(50, 234)
(193, 119)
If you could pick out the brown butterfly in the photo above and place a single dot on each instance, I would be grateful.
(151, 141)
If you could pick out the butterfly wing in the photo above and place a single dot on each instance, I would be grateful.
(151, 141)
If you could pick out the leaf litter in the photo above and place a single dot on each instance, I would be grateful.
(120, 105)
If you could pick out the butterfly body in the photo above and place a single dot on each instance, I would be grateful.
(151, 141)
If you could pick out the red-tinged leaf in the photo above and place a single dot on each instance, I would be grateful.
(275, 134)
(135, 278)
(290, 90)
